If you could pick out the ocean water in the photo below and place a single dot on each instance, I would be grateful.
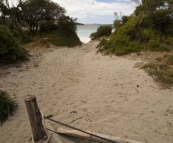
(84, 31)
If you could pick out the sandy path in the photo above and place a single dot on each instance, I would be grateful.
(108, 93)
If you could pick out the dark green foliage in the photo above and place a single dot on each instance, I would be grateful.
(48, 26)
(58, 38)
(22, 36)
(120, 42)
(102, 43)
(7, 106)
(1, 21)
(66, 33)
(37, 18)
(118, 22)
(35, 13)
(10, 50)
(66, 25)
(125, 19)
(150, 28)
(169, 40)
(62, 34)
(104, 30)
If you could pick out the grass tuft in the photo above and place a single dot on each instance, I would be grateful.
(162, 71)
(7, 106)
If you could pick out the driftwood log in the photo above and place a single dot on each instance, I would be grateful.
(78, 134)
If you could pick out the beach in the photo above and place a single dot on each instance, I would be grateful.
(107, 94)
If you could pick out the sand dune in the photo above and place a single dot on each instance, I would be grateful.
(109, 95)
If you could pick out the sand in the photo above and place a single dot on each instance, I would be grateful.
(107, 93)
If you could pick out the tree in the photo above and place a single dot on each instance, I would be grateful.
(30, 13)
(4, 11)
(39, 15)
(35, 12)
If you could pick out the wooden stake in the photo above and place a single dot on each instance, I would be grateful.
(34, 117)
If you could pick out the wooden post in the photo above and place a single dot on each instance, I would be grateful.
(34, 117)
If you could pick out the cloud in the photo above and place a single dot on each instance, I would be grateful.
(83, 9)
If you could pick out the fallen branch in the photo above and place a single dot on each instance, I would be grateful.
(78, 134)
(76, 119)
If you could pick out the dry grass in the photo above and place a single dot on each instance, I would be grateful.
(40, 44)
(160, 66)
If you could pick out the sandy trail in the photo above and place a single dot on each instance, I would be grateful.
(108, 94)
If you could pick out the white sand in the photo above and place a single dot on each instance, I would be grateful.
(108, 93)
(85, 39)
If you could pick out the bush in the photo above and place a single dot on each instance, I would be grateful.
(154, 44)
(10, 50)
(104, 30)
(61, 34)
(169, 41)
(136, 33)
(157, 45)
(66, 25)
(120, 42)
(60, 39)
(7, 106)
(148, 34)
(48, 26)
(22, 37)
(103, 42)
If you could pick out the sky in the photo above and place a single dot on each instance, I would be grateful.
(96, 11)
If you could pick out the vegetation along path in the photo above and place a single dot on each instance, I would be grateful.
(106, 94)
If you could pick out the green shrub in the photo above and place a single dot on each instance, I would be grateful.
(10, 50)
(66, 25)
(120, 42)
(58, 38)
(7, 106)
(120, 46)
(103, 42)
(66, 33)
(48, 26)
(157, 45)
(123, 50)
(128, 27)
(61, 39)
(135, 34)
(125, 19)
(62, 34)
(104, 30)
(169, 41)
(117, 23)
(148, 33)
(154, 44)
(24, 38)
